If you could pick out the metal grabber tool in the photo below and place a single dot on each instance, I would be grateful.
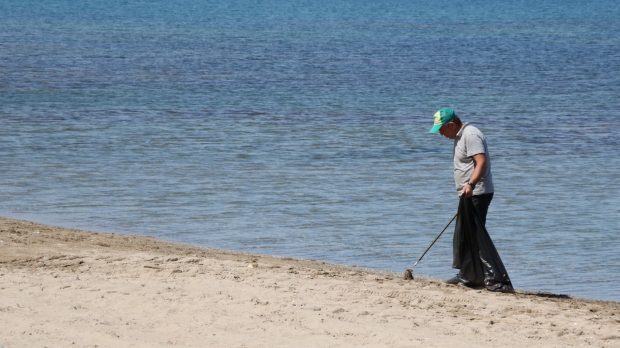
(408, 275)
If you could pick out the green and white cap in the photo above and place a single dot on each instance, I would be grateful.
(441, 117)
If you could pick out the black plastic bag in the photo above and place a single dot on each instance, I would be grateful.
(475, 254)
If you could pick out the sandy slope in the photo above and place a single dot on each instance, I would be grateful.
(67, 288)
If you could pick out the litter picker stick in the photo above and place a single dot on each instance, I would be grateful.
(409, 271)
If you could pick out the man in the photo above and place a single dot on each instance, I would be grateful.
(474, 253)
(472, 164)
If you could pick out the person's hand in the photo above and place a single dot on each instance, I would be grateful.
(468, 191)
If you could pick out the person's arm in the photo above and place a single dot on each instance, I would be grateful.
(480, 164)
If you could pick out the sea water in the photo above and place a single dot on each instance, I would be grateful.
(299, 128)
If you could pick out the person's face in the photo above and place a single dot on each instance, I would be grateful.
(449, 130)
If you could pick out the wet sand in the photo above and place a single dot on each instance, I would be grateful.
(69, 288)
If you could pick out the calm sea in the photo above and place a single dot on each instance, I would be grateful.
(299, 128)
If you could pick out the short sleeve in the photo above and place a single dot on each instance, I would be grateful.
(474, 144)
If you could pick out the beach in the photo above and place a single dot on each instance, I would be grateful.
(69, 288)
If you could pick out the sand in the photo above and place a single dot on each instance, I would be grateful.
(69, 288)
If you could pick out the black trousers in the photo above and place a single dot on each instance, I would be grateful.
(481, 203)
(475, 255)
(481, 207)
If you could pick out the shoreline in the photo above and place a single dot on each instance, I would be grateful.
(67, 287)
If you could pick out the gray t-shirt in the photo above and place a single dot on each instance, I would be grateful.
(469, 142)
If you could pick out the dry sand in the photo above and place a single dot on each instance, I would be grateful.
(68, 288)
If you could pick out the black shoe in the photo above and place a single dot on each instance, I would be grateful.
(456, 280)
(500, 287)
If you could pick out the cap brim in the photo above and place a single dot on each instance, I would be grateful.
(435, 128)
